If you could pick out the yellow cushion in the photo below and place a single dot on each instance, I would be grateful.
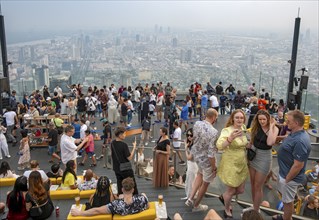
(149, 214)
(95, 217)
(86, 194)
(7, 181)
(64, 194)
(53, 181)
(59, 180)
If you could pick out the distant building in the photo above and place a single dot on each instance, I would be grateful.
(188, 56)
(174, 42)
(42, 74)
(137, 38)
(21, 57)
(32, 53)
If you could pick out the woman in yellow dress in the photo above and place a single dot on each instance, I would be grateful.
(233, 169)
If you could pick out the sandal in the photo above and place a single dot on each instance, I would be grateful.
(81, 164)
(51, 161)
(93, 165)
(221, 199)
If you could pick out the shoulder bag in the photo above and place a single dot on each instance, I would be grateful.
(123, 166)
(35, 210)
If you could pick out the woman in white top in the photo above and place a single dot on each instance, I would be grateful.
(112, 111)
(191, 164)
(64, 105)
(5, 171)
(3, 143)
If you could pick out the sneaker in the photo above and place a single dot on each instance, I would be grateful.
(1, 158)
(170, 160)
(182, 163)
(100, 157)
(8, 156)
(79, 156)
(184, 198)
(247, 209)
(200, 208)
(146, 143)
(189, 202)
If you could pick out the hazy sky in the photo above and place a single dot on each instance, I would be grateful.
(87, 14)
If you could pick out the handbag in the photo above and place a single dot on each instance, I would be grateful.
(36, 211)
(251, 154)
(123, 166)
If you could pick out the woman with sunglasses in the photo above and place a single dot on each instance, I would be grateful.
(191, 164)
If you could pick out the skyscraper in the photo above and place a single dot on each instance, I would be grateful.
(42, 74)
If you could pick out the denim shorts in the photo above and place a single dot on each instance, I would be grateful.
(52, 149)
(90, 154)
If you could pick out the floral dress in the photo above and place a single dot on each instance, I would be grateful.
(24, 152)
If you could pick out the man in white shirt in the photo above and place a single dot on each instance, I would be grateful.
(214, 102)
(159, 106)
(83, 128)
(34, 164)
(177, 140)
(11, 120)
(59, 91)
(68, 148)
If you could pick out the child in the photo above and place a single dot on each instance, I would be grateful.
(24, 151)
(146, 128)
(151, 109)
(89, 181)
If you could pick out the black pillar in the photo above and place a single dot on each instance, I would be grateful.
(293, 60)
(4, 62)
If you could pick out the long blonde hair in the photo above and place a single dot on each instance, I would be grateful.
(230, 121)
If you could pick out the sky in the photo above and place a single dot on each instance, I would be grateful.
(43, 15)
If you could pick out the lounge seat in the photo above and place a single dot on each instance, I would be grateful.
(86, 194)
(149, 214)
(96, 217)
(7, 181)
(64, 194)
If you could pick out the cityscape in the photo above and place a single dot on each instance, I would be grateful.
(182, 57)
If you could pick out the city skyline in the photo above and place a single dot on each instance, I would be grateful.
(277, 16)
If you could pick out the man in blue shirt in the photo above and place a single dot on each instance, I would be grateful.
(292, 158)
(184, 115)
(204, 102)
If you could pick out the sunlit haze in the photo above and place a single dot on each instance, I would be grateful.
(213, 15)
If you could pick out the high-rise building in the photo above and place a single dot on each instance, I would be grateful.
(32, 53)
(137, 37)
(42, 74)
(45, 60)
(174, 42)
(188, 56)
(21, 55)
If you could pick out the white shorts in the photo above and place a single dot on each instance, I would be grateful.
(208, 174)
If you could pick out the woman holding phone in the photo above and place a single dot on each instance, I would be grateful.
(233, 169)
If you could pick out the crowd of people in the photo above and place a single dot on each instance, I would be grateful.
(67, 142)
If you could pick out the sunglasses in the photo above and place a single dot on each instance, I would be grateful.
(189, 135)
